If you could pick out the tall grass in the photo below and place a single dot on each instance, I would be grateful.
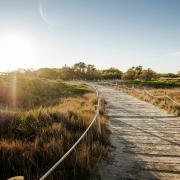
(18, 92)
(162, 103)
(40, 120)
(32, 141)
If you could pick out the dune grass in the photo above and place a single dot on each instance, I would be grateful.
(160, 83)
(157, 88)
(18, 92)
(34, 137)
(166, 104)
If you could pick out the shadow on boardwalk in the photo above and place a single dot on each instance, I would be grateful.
(146, 140)
(123, 163)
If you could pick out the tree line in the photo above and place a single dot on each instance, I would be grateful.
(83, 71)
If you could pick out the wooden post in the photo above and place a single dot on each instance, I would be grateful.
(97, 108)
(132, 86)
(17, 178)
(165, 94)
(144, 91)
(98, 121)
(97, 111)
(124, 88)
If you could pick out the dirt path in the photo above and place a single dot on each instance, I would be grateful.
(146, 140)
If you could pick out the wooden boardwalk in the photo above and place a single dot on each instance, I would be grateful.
(146, 140)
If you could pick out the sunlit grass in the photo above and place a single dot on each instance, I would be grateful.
(14, 91)
(18, 92)
(33, 139)
(161, 102)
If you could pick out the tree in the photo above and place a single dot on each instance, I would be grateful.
(91, 72)
(80, 69)
(148, 74)
(66, 73)
(138, 71)
(112, 73)
(130, 74)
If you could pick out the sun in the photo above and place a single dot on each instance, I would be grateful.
(16, 51)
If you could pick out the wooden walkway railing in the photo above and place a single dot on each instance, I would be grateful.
(144, 91)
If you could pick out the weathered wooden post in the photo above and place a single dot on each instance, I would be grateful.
(98, 121)
(165, 97)
(97, 111)
(144, 92)
(17, 178)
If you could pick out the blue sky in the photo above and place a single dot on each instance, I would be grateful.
(118, 33)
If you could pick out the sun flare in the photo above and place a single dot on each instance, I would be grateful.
(16, 51)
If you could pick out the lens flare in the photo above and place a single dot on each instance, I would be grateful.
(14, 92)
(43, 14)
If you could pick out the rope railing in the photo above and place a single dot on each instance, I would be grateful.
(163, 97)
(172, 100)
(96, 118)
(145, 92)
(158, 97)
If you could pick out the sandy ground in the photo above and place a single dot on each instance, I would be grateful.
(146, 140)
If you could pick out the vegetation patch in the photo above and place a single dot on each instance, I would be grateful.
(160, 102)
(40, 119)
(22, 92)
(174, 83)
(32, 141)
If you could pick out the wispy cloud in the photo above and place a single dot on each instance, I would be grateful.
(177, 53)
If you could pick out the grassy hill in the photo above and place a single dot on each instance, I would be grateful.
(22, 92)
(51, 115)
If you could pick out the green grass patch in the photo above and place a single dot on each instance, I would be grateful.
(157, 83)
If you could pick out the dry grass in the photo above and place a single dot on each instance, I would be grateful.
(32, 141)
(162, 103)
(18, 92)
